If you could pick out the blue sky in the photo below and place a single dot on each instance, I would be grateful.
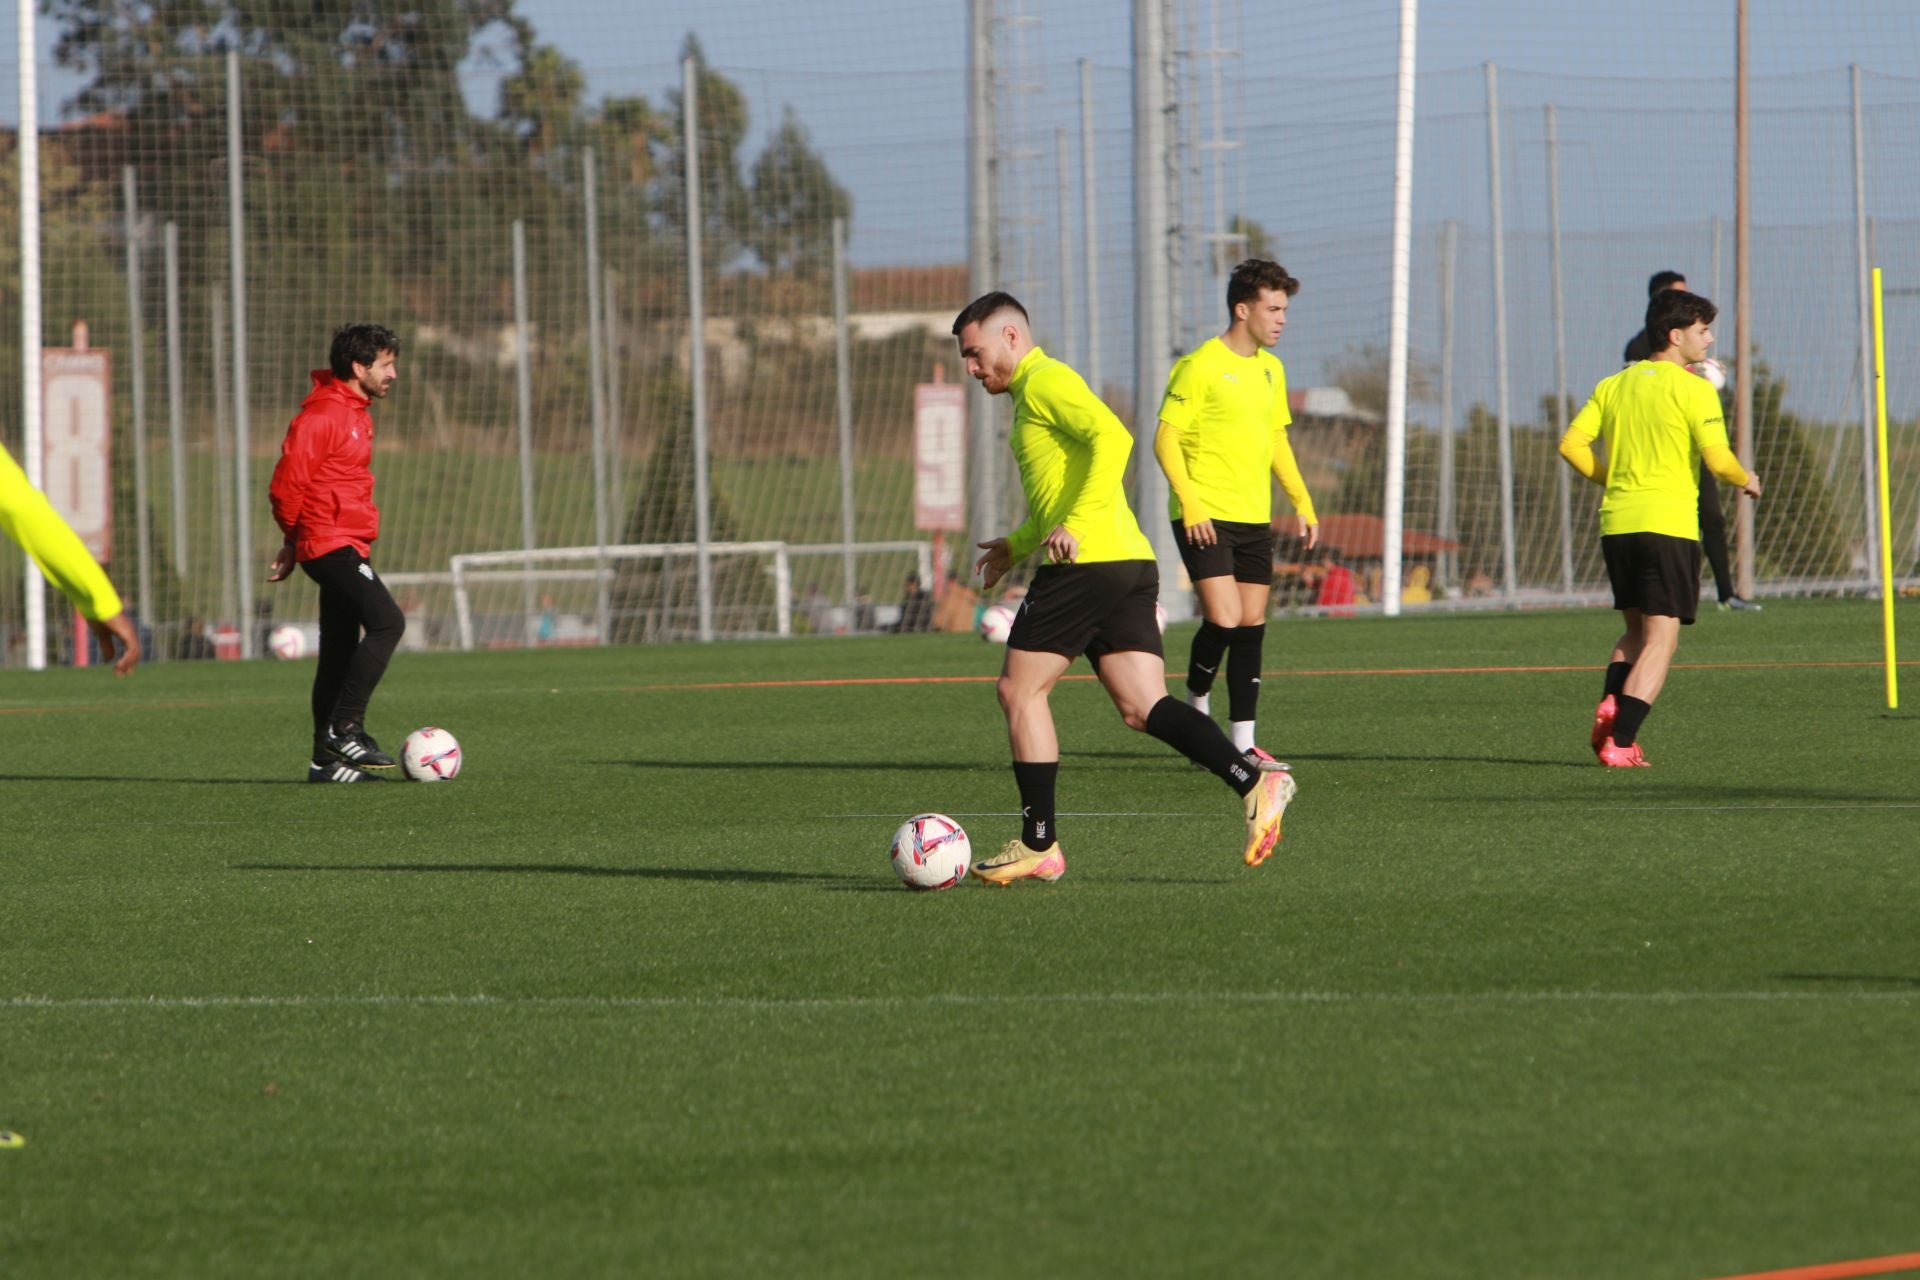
(1644, 87)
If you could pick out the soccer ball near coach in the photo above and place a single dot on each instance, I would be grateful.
(430, 755)
(930, 851)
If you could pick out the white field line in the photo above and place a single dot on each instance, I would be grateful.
(1841, 806)
(958, 1000)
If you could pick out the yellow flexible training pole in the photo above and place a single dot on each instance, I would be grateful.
(1886, 514)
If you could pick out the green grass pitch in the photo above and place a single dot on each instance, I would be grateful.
(638, 994)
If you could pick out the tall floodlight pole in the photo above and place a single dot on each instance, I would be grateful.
(30, 410)
(697, 347)
(237, 265)
(222, 443)
(1395, 500)
(597, 399)
(137, 373)
(1154, 247)
(1870, 518)
(523, 403)
(1449, 250)
(843, 414)
(1562, 475)
(176, 402)
(983, 266)
(1063, 254)
(1090, 228)
(1509, 575)
(1742, 306)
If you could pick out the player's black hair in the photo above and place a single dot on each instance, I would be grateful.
(1664, 280)
(359, 344)
(1672, 309)
(985, 305)
(1253, 275)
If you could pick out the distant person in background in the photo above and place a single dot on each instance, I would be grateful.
(1661, 423)
(916, 607)
(30, 520)
(1713, 522)
(322, 495)
(193, 643)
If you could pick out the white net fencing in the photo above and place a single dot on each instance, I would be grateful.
(393, 155)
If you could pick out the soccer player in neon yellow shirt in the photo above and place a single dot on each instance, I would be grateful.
(1096, 594)
(30, 520)
(1223, 432)
(1659, 422)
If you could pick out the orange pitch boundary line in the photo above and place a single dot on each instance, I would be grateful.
(1840, 1270)
(852, 681)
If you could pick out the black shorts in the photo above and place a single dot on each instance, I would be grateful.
(1654, 572)
(1243, 550)
(1095, 609)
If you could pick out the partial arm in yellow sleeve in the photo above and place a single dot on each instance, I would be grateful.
(1287, 470)
(1721, 461)
(1085, 417)
(1576, 446)
(30, 520)
(1173, 461)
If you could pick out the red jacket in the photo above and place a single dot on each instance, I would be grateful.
(322, 489)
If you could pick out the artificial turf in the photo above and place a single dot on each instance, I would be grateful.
(638, 994)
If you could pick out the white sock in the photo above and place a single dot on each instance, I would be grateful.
(1242, 733)
(1201, 702)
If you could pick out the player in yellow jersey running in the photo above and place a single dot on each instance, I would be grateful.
(1096, 594)
(1659, 422)
(30, 520)
(1223, 431)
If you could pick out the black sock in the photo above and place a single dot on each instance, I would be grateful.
(1244, 647)
(1617, 677)
(1199, 739)
(1628, 719)
(1036, 779)
(1203, 663)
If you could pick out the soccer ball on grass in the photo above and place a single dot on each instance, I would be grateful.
(430, 755)
(930, 851)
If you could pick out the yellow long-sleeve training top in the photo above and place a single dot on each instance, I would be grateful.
(1223, 430)
(1660, 422)
(1072, 454)
(30, 520)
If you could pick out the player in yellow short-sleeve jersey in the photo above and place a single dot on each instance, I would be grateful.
(1222, 441)
(1095, 595)
(1659, 422)
(30, 520)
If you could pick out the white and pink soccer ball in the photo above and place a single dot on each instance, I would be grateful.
(430, 755)
(996, 623)
(1712, 370)
(287, 642)
(931, 851)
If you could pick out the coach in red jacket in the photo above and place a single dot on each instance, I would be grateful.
(322, 495)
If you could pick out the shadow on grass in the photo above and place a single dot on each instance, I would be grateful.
(1849, 979)
(715, 875)
(1375, 757)
(878, 766)
(1711, 795)
(191, 782)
